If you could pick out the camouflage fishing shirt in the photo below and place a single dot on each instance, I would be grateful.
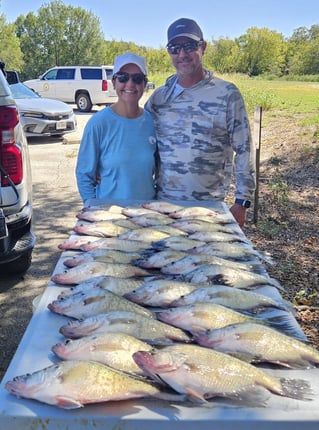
(203, 132)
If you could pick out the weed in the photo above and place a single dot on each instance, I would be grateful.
(270, 229)
(279, 189)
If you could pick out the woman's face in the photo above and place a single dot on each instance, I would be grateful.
(133, 88)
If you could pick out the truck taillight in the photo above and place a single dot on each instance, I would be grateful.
(104, 85)
(10, 154)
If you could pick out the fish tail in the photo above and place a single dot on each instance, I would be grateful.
(283, 322)
(296, 389)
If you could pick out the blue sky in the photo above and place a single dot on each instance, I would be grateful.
(145, 21)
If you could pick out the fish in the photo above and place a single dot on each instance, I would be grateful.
(188, 263)
(137, 211)
(112, 349)
(102, 255)
(258, 343)
(179, 243)
(99, 229)
(84, 272)
(148, 329)
(159, 292)
(119, 286)
(194, 225)
(99, 215)
(93, 302)
(159, 259)
(116, 209)
(127, 224)
(74, 383)
(201, 374)
(162, 206)
(193, 212)
(226, 275)
(218, 236)
(230, 297)
(201, 316)
(152, 219)
(75, 241)
(231, 251)
(147, 234)
(116, 244)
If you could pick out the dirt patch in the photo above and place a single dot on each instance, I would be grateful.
(288, 215)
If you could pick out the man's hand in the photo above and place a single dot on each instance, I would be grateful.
(239, 213)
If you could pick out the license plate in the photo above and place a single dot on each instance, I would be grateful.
(61, 125)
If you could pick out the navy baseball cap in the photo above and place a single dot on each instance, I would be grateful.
(184, 27)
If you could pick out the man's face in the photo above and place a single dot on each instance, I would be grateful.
(189, 60)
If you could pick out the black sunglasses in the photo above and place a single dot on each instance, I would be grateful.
(137, 78)
(188, 47)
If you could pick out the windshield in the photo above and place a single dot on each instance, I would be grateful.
(20, 91)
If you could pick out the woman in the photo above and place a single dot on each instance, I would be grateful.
(119, 142)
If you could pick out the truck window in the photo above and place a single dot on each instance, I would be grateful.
(91, 73)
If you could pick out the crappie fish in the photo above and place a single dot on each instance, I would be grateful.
(147, 234)
(73, 384)
(116, 209)
(162, 206)
(102, 255)
(193, 225)
(159, 292)
(112, 349)
(149, 220)
(230, 297)
(218, 236)
(75, 242)
(85, 271)
(99, 215)
(99, 229)
(193, 212)
(259, 343)
(147, 329)
(119, 286)
(218, 274)
(127, 223)
(188, 262)
(227, 250)
(202, 373)
(116, 244)
(160, 259)
(179, 243)
(200, 317)
(137, 211)
(93, 302)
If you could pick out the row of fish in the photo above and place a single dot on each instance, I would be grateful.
(166, 301)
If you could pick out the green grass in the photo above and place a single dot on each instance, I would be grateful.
(287, 98)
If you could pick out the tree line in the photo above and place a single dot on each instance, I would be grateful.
(65, 35)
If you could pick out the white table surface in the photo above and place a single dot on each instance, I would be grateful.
(34, 352)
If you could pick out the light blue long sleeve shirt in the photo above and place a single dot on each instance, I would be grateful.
(121, 151)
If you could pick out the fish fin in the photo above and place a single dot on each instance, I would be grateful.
(296, 389)
(194, 396)
(68, 402)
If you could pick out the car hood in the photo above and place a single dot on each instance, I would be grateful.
(43, 105)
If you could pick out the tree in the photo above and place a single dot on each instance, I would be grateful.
(10, 52)
(59, 35)
(262, 51)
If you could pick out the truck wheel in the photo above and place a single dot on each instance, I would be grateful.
(21, 264)
(83, 102)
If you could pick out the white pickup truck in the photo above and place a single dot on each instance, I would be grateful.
(83, 85)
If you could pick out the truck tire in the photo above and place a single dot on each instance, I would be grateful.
(21, 264)
(83, 102)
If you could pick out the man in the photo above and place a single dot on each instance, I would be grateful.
(202, 127)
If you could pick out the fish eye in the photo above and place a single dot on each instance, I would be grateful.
(67, 341)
